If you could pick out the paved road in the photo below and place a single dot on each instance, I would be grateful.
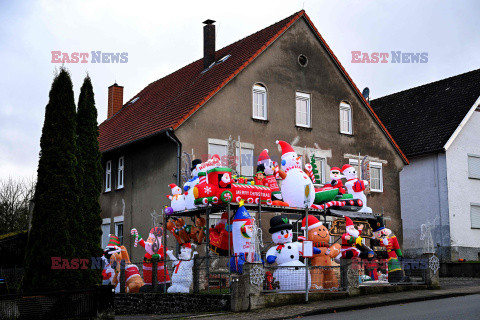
(460, 308)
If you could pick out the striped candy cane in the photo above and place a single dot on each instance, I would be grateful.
(309, 169)
(329, 204)
(135, 232)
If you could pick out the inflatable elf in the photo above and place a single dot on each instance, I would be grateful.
(385, 238)
(154, 249)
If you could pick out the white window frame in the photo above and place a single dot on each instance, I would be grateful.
(218, 142)
(345, 107)
(474, 221)
(108, 176)
(105, 235)
(472, 157)
(301, 96)
(250, 147)
(321, 164)
(121, 173)
(260, 90)
(376, 165)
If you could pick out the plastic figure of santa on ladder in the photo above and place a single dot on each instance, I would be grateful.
(154, 249)
(271, 174)
(356, 187)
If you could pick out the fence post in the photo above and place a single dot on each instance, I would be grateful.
(432, 269)
(154, 274)
(207, 249)
(122, 276)
(196, 278)
(306, 259)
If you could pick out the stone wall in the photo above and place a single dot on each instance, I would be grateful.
(160, 303)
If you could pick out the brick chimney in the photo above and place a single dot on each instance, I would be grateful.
(208, 43)
(115, 99)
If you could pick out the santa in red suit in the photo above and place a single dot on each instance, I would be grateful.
(336, 182)
(350, 239)
(154, 249)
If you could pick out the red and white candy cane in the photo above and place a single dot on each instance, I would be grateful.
(309, 170)
(329, 204)
(135, 232)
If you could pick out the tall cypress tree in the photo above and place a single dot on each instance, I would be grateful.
(89, 179)
(55, 194)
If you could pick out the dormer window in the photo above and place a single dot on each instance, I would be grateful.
(345, 118)
(259, 95)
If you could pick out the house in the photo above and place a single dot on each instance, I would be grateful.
(281, 83)
(437, 125)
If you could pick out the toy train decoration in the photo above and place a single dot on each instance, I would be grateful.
(216, 186)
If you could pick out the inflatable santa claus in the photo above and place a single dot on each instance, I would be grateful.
(154, 249)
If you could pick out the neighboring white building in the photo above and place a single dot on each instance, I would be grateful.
(437, 125)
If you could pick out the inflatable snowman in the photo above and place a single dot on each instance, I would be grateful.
(177, 198)
(355, 186)
(295, 179)
(188, 186)
(289, 274)
(182, 276)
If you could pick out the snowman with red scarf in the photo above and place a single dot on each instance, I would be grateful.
(182, 276)
(289, 274)
(356, 187)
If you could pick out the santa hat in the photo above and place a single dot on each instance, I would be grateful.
(113, 243)
(337, 168)
(263, 157)
(345, 167)
(187, 245)
(172, 185)
(348, 222)
(242, 213)
(286, 148)
(313, 223)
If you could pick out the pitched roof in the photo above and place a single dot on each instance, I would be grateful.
(169, 101)
(422, 119)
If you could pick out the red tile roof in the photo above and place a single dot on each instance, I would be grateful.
(168, 102)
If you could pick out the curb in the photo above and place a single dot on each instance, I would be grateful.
(359, 306)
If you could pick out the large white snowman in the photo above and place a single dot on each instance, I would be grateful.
(290, 273)
(294, 179)
(182, 275)
(356, 186)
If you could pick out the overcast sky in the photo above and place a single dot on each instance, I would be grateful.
(162, 36)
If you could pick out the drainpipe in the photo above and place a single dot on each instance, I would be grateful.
(172, 137)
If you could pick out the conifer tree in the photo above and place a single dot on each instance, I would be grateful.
(55, 195)
(89, 175)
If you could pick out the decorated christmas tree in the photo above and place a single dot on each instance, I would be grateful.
(315, 169)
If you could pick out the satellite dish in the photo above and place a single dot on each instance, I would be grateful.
(366, 94)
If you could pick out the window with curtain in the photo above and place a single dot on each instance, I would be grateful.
(259, 96)
(303, 109)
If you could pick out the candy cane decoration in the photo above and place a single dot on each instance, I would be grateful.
(309, 170)
(135, 232)
(329, 204)
(276, 172)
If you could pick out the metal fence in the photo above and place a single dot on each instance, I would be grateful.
(58, 305)
(208, 274)
(10, 280)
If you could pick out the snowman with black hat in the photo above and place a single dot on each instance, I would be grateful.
(289, 274)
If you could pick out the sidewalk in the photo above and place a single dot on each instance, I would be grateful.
(451, 287)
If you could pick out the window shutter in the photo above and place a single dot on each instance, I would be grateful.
(474, 167)
(475, 215)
